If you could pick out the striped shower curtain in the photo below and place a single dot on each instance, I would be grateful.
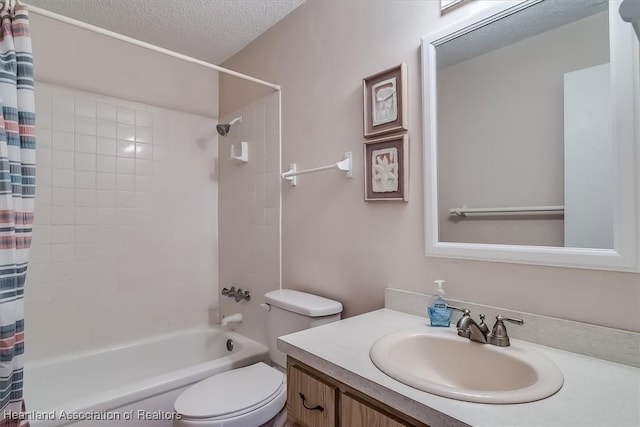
(17, 191)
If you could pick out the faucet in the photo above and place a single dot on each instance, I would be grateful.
(468, 328)
(232, 318)
(238, 294)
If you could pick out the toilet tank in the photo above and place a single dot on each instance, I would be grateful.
(292, 311)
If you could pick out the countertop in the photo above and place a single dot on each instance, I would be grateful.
(595, 392)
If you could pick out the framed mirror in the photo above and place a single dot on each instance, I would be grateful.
(531, 122)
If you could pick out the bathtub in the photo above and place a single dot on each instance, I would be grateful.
(133, 384)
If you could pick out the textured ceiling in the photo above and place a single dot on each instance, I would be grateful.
(210, 30)
(536, 19)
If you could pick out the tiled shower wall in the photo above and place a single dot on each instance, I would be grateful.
(125, 240)
(249, 213)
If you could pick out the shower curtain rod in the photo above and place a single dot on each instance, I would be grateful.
(131, 40)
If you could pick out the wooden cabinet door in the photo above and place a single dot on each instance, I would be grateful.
(354, 413)
(310, 402)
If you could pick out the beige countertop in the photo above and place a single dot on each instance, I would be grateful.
(595, 392)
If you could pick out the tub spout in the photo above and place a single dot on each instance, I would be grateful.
(232, 318)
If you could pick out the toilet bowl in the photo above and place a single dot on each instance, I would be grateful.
(255, 395)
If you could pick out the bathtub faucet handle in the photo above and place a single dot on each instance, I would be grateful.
(242, 295)
(229, 292)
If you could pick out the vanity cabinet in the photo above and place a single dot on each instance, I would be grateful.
(317, 400)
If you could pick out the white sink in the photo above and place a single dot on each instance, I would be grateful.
(440, 362)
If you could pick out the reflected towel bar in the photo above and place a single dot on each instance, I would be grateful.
(538, 210)
(345, 165)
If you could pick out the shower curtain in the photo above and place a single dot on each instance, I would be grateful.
(17, 191)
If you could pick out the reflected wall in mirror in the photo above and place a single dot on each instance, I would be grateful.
(529, 135)
(536, 117)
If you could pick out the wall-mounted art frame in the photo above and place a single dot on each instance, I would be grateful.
(386, 168)
(385, 101)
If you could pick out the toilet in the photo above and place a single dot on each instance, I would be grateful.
(255, 395)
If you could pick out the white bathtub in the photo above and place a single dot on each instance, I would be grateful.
(110, 386)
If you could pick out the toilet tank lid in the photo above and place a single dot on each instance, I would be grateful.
(303, 303)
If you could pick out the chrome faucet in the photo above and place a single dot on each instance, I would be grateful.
(468, 328)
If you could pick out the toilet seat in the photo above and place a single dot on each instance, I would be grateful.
(253, 389)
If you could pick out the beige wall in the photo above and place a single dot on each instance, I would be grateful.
(510, 150)
(334, 243)
(81, 59)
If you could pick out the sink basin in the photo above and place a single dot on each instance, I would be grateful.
(438, 361)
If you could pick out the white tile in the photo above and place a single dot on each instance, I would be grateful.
(63, 122)
(126, 132)
(107, 112)
(144, 134)
(106, 146)
(85, 144)
(126, 182)
(43, 157)
(144, 200)
(126, 216)
(43, 195)
(85, 233)
(106, 216)
(144, 183)
(62, 159)
(106, 163)
(62, 140)
(43, 118)
(62, 215)
(125, 166)
(39, 254)
(62, 252)
(43, 177)
(85, 216)
(43, 101)
(43, 138)
(85, 107)
(85, 179)
(107, 233)
(106, 181)
(144, 151)
(85, 162)
(42, 216)
(86, 126)
(160, 153)
(144, 167)
(63, 102)
(62, 197)
(106, 198)
(106, 129)
(161, 137)
(162, 121)
(62, 234)
(126, 148)
(144, 118)
(62, 178)
(85, 197)
(85, 252)
(126, 115)
(126, 199)
(61, 271)
(41, 234)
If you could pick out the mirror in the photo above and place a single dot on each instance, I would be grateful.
(530, 150)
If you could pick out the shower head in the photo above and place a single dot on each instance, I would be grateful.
(630, 12)
(224, 128)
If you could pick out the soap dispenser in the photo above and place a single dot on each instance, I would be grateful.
(439, 311)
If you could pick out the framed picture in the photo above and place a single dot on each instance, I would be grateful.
(385, 101)
(386, 168)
